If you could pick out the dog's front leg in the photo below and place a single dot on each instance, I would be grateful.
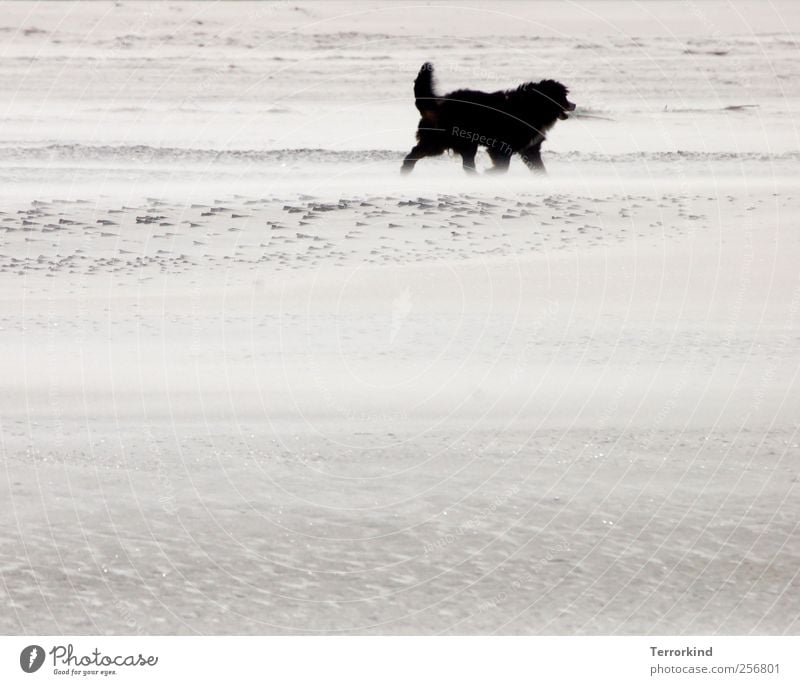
(532, 157)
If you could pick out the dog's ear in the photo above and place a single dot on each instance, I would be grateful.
(553, 90)
(552, 96)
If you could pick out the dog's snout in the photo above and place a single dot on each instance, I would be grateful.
(570, 106)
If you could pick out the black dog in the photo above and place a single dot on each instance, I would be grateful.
(506, 122)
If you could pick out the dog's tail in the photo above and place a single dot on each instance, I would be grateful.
(423, 89)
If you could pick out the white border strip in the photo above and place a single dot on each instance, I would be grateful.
(404, 660)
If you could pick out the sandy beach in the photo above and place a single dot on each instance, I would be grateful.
(256, 382)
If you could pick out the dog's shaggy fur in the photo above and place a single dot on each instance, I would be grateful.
(505, 122)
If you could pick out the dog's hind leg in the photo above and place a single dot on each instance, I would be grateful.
(418, 152)
(532, 156)
(501, 160)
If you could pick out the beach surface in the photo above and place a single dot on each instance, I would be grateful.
(256, 382)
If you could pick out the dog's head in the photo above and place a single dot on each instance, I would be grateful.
(552, 97)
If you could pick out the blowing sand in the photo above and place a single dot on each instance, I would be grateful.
(253, 381)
